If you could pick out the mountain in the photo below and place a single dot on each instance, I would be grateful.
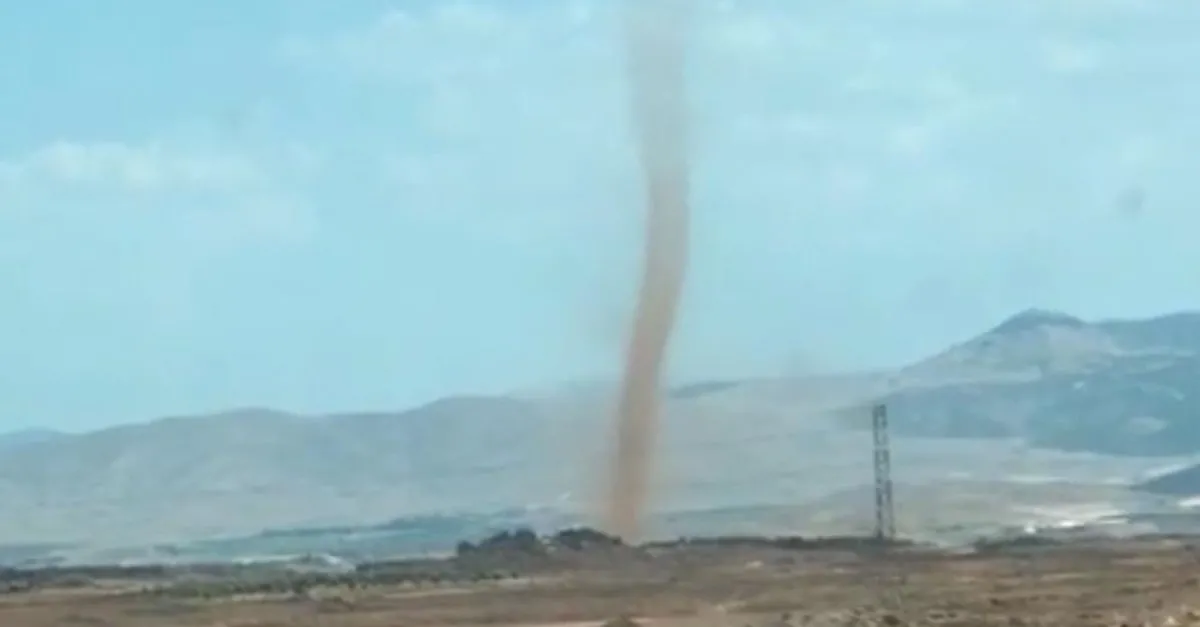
(1041, 396)
(1179, 482)
(1119, 387)
(18, 439)
(215, 474)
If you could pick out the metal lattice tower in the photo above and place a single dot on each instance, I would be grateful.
(885, 521)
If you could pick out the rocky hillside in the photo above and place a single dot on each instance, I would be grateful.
(1120, 387)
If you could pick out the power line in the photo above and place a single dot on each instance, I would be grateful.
(885, 518)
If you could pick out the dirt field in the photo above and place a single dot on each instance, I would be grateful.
(1131, 583)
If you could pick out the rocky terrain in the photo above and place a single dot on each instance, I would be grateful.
(1042, 397)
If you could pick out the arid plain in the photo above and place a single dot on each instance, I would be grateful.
(737, 582)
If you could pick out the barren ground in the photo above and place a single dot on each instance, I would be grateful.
(1132, 583)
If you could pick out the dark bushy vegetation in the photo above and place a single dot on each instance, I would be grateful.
(794, 543)
(526, 542)
(520, 541)
(1025, 541)
(503, 555)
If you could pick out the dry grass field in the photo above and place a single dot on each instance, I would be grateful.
(1144, 582)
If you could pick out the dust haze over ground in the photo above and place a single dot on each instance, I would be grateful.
(654, 33)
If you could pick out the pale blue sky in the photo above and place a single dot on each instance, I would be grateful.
(323, 205)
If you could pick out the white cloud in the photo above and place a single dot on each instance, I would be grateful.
(212, 196)
(150, 167)
(847, 182)
(1065, 57)
(929, 115)
(910, 141)
(397, 43)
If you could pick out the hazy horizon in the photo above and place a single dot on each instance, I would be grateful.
(370, 205)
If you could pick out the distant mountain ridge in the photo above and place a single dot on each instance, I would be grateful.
(24, 437)
(1041, 377)
(1184, 482)
(1119, 387)
(1122, 387)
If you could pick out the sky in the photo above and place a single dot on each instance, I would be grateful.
(323, 206)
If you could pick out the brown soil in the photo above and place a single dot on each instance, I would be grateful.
(1127, 583)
